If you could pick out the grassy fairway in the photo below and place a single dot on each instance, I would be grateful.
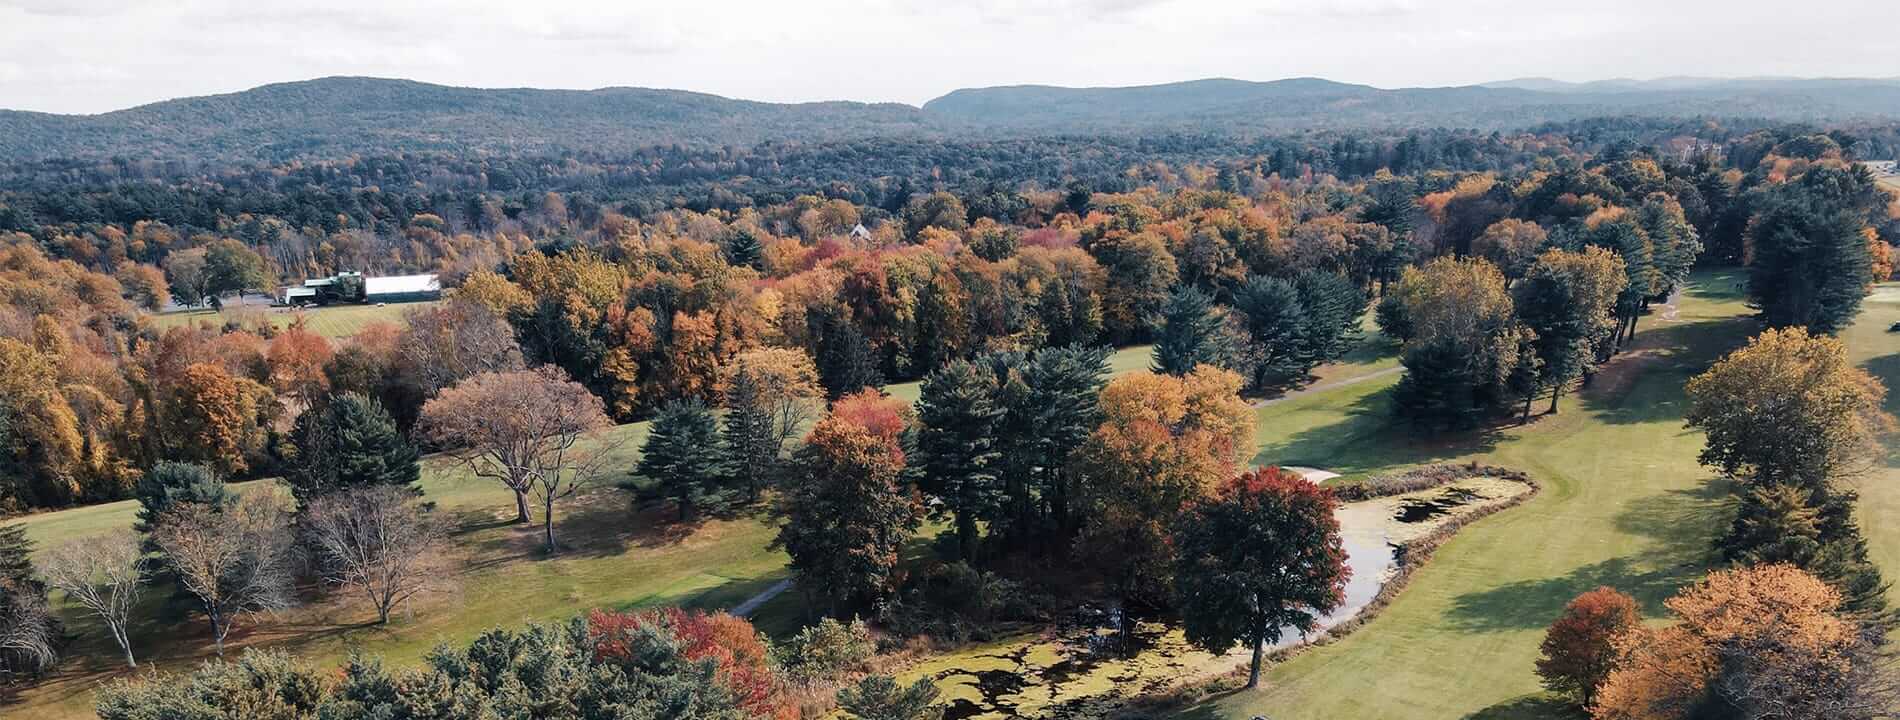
(1624, 504)
(1877, 351)
(331, 322)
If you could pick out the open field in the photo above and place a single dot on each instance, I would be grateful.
(338, 321)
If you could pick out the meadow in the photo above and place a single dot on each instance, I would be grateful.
(337, 321)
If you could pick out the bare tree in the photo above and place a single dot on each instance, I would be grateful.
(103, 574)
(525, 429)
(27, 631)
(453, 341)
(1773, 676)
(378, 541)
(238, 561)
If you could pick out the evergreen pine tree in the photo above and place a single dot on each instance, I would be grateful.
(1276, 326)
(846, 363)
(752, 450)
(16, 556)
(1065, 386)
(1193, 332)
(347, 443)
(1332, 304)
(683, 457)
(956, 459)
(169, 483)
(744, 250)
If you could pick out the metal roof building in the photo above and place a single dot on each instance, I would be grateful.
(402, 288)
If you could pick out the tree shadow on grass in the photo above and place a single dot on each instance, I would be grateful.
(1532, 604)
(1530, 707)
(1372, 438)
(1645, 383)
(1684, 518)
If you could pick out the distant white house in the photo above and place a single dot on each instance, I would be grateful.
(858, 231)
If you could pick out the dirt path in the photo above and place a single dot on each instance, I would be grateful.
(746, 608)
(1323, 387)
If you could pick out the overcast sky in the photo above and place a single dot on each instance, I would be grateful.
(76, 56)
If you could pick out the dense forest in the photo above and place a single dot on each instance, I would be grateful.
(643, 276)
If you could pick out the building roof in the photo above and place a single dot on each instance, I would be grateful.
(399, 284)
(291, 292)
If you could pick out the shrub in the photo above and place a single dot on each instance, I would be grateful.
(957, 602)
(825, 651)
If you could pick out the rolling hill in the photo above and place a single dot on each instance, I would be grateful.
(340, 116)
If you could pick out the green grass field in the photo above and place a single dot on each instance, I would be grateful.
(1625, 504)
(339, 321)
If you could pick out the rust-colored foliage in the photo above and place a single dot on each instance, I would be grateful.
(1579, 649)
(874, 412)
(740, 658)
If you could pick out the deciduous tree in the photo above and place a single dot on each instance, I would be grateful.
(523, 429)
(237, 561)
(1165, 442)
(1579, 649)
(1260, 556)
(844, 512)
(104, 575)
(377, 540)
(1569, 300)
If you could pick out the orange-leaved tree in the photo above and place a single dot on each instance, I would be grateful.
(1166, 442)
(1579, 649)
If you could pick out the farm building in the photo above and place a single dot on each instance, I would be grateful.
(351, 287)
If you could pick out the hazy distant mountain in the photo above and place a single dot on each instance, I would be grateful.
(333, 117)
(1306, 103)
(341, 115)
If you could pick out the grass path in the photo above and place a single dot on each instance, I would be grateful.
(1624, 504)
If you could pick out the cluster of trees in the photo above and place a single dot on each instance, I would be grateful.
(1134, 484)
(357, 526)
(662, 664)
(1756, 642)
(1258, 264)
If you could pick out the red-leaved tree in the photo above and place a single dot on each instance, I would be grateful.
(1261, 556)
(1580, 649)
(740, 658)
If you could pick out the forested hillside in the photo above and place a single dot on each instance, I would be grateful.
(336, 117)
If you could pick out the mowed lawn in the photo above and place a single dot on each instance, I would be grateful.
(1624, 504)
(338, 321)
(1874, 349)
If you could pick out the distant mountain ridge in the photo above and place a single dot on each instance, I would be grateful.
(339, 116)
